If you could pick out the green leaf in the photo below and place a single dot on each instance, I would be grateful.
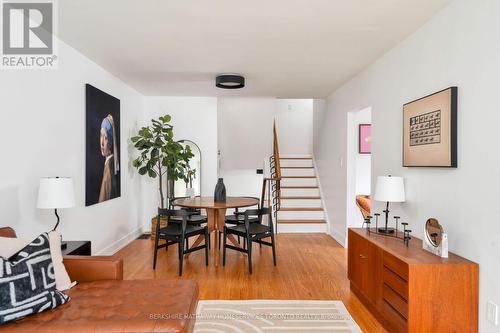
(160, 153)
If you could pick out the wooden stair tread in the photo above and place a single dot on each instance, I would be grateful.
(295, 158)
(297, 167)
(301, 198)
(302, 221)
(282, 187)
(308, 177)
(301, 209)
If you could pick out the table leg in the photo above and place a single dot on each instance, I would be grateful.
(216, 221)
(196, 243)
(233, 240)
(211, 225)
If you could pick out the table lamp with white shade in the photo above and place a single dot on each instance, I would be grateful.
(56, 193)
(389, 189)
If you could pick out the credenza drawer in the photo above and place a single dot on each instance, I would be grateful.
(395, 300)
(394, 319)
(397, 266)
(395, 282)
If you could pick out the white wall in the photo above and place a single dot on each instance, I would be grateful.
(43, 134)
(245, 137)
(195, 119)
(319, 108)
(457, 47)
(242, 183)
(245, 131)
(294, 124)
(358, 166)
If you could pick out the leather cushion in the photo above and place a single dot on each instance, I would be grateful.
(119, 306)
(7, 232)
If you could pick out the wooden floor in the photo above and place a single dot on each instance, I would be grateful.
(309, 267)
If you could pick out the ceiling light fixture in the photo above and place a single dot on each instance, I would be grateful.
(230, 81)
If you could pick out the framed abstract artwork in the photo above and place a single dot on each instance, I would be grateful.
(365, 139)
(102, 163)
(430, 130)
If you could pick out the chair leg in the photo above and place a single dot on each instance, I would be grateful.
(224, 249)
(274, 248)
(220, 233)
(156, 251)
(207, 242)
(181, 255)
(249, 245)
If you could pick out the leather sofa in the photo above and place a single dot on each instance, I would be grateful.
(103, 302)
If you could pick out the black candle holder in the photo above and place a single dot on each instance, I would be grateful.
(405, 236)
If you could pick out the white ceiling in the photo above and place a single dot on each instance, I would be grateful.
(284, 48)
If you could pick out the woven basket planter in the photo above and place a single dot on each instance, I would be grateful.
(163, 223)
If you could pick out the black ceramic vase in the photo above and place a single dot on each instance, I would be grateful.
(220, 191)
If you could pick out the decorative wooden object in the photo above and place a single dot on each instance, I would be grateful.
(411, 290)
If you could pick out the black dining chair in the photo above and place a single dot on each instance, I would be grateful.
(238, 217)
(194, 216)
(178, 233)
(252, 233)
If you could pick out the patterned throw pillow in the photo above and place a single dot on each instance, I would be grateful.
(27, 282)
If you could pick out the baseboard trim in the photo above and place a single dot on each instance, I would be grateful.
(341, 239)
(323, 203)
(121, 243)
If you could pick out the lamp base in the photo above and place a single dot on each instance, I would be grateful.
(383, 230)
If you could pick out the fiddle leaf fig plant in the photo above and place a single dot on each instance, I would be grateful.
(160, 154)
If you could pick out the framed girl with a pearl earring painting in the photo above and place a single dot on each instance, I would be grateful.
(102, 165)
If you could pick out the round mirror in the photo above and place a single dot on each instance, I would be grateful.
(193, 187)
(434, 232)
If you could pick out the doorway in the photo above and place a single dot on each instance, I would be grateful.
(359, 161)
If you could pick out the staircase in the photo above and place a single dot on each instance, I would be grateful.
(301, 206)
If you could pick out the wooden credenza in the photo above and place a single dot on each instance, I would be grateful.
(411, 290)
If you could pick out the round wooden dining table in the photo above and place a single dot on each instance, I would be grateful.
(216, 213)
